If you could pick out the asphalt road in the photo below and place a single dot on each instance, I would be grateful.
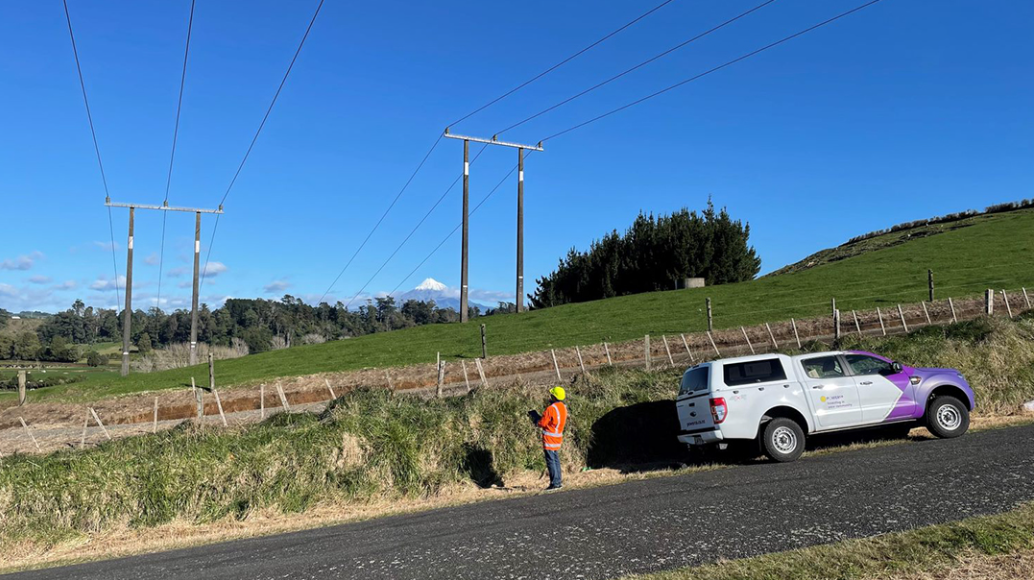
(639, 526)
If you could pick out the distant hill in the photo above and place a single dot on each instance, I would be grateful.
(903, 233)
(443, 296)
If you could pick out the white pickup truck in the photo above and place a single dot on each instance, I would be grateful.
(778, 400)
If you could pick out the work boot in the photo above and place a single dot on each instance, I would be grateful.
(554, 487)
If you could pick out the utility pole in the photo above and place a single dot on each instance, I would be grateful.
(128, 311)
(520, 229)
(466, 215)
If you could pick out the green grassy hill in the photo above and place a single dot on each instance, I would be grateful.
(994, 251)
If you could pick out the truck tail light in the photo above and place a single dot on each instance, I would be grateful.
(719, 410)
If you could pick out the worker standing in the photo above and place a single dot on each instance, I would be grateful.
(552, 423)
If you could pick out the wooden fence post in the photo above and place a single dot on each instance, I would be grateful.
(556, 366)
(211, 372)
(441, 378)
(581, 363)
(952, 305)
(331, 389)
(484, 343)
(796, 336)
(836, 326)
(880, 315)
(31, 436)
(747, 338)
(154, 426)
(710, 317)
(857, 325)
(929, 278)
(901, 313)
(927, 314)
(262, 401)
(1008, 308)
(198, 399)
(466, 379)
(98, 420)
(713, 345)
(481, 371)
(692, 359)
(989, 302)
(646, 351)
(833, 307)
(1026, 299)
(283, 397)
(671, 361)
(606, 349)
(771, 336)
(219, 405)
(21, 388)
(86, 423)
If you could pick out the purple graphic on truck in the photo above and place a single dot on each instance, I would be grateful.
(918, 385)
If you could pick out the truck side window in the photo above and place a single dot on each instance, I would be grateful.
(755, 371)
(868, 365)
(694, 380)
(823, 367)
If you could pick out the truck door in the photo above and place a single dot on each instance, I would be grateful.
(833, 393)
(882, 393)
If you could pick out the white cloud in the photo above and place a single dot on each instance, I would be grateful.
(491, 296)
(66, 285)
(177, 272)
(40, 280)
(276, 286)
(152, 260)
(107, 245)
(104, 283)
(213, 269)
(24, 262)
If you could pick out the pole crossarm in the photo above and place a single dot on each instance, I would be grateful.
(493, 141)
(163, 207)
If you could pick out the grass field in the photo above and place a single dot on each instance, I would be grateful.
(994, 252)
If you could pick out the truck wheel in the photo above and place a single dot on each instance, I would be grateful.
(783, 440)
(947, 417)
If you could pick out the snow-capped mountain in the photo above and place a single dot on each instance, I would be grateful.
(443, 296)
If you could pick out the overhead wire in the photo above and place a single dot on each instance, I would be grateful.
(715, 69)
(638, 66)
(467, 116)
(561, 63)
(96, 148)
(258, 132)
(172, 156)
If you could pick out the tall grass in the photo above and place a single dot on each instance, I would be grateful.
(369, 444)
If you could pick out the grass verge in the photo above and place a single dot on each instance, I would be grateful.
(928, 550)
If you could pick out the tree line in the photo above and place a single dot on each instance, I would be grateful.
(653, 254)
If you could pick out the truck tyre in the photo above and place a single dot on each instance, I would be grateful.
(782, 440)
(947, 417)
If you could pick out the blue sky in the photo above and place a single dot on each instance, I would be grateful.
(904, 110)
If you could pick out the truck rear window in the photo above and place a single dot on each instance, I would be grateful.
(694, 380)
(755, 371)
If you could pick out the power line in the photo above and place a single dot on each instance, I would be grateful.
(96, 148)
(384, 215)
(640, 65)
(254, 139)
(456, 229)
(559, 64)
(172, 156)
(472, 113)
(715, 69)
(415, 228)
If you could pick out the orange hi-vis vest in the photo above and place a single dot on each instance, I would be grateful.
(552, 424)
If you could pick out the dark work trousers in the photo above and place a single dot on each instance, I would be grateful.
(553, 465)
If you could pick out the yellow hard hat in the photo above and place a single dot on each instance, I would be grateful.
(558, 392)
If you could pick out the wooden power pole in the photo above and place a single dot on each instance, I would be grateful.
(466, 215)
(127, 313)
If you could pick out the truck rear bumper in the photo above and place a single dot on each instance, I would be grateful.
(705, 438)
